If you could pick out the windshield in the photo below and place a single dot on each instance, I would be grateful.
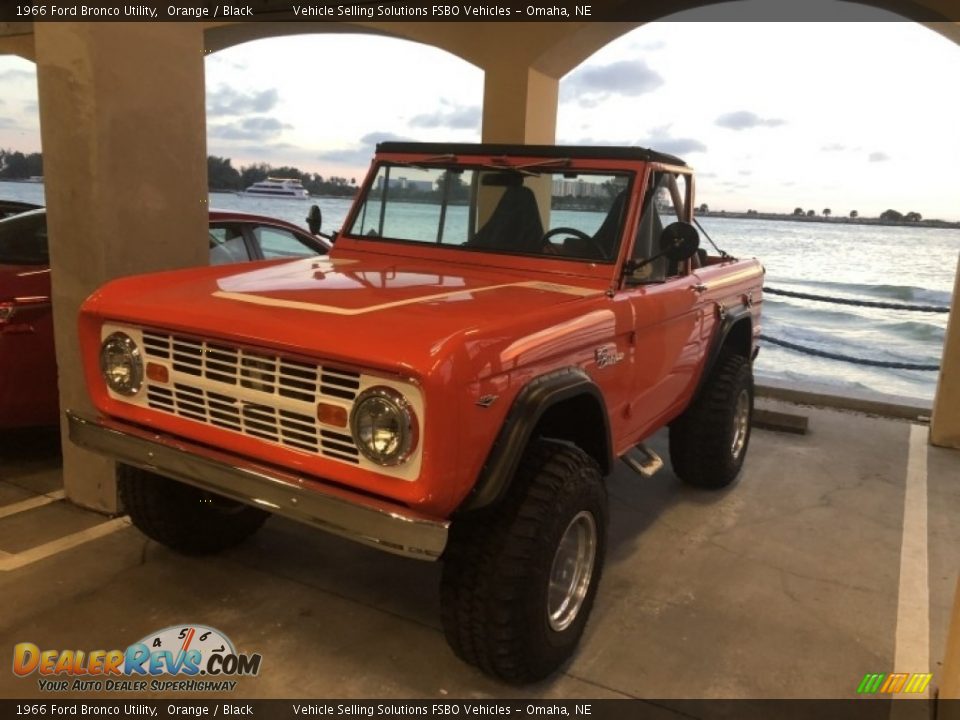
(565, 214)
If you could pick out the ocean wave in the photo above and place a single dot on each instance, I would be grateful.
(921, 331)
(861, 343)
(800, 378)
(907, 293)
(876, 325)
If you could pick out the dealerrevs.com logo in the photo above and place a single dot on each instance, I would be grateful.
(199, 658)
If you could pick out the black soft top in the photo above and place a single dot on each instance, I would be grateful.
(613, 152)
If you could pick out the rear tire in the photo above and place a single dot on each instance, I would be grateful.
(182, 517)
(708, 443)
(519, 580)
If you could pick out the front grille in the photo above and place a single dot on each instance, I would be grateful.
(270, 374)
(261, 395)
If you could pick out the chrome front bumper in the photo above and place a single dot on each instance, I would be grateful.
(367, 520)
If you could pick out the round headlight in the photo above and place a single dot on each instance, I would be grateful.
(384, 426)
(121, 364)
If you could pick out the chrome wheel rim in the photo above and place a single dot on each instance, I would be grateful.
(741, 424)
(572, 571)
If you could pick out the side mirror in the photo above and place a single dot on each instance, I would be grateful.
(679, 241)
(314, 219)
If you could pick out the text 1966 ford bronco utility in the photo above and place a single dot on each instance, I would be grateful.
(495, 326)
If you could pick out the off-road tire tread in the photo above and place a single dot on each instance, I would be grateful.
(170, 512)
(700, 437)
(490, 556)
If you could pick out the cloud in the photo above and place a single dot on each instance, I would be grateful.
(223, 61)
(745, 173)
(659, 139)
(254, 128)
(744, 119)
(674, 146)
(14, 74)
(361, 154)
(593, 84)
(31, 106)
(7, 123)
(833, 147)
(653, 45)
(226, 101)
(878, 157)
(451, 116)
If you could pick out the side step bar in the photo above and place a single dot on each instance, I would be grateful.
(643, 461)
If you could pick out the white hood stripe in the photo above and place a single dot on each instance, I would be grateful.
(334, 310)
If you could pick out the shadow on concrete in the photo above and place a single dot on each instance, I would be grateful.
(30, 445)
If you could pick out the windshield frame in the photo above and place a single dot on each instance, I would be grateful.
(632, 171)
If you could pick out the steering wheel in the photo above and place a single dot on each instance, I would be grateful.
(574, 232)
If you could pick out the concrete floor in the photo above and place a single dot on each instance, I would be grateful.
(785, 585)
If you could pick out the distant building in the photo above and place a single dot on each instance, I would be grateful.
(403, 183)
(578, 188)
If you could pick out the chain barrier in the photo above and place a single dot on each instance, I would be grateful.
(847, 358)
(859, 303)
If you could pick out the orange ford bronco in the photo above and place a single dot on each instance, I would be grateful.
(494, 328)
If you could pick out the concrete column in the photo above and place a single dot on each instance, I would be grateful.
(122, 118)
(945, 424)
(519, 106)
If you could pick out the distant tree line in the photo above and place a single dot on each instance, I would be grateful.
(888, 215)
(222, 175)
(897, 216)
(16, 165)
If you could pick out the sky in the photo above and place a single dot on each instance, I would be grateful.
(773, 116)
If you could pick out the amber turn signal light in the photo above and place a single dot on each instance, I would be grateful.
(332, 415)
(158, 373)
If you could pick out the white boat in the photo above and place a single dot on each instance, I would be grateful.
(278, 188)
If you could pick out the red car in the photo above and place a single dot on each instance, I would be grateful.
(28, 366)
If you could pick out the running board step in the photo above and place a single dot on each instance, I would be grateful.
(642, 460)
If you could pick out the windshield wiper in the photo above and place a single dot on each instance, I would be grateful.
(501, 163)
(425, 163)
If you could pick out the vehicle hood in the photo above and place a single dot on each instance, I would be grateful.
(371, 311)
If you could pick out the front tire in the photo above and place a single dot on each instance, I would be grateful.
(182, 517)
(708, 443)
(519, 580)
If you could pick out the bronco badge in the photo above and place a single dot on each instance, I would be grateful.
(607, 355)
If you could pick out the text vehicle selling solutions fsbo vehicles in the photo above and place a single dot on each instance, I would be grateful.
(495, 326)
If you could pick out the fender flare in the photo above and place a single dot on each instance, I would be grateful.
(731, 318)
(529, 406)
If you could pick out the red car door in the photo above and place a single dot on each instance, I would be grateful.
(28, 367)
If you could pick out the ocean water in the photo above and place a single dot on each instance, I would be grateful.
(900, 264)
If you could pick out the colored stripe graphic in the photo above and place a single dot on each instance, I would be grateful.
(871, 682)
(893, 683)
(918, 682)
